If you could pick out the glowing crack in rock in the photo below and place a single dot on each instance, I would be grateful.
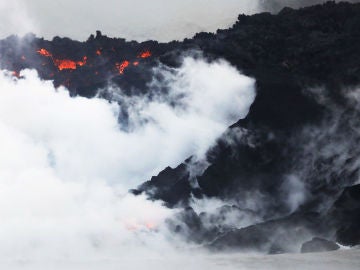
(122, 66)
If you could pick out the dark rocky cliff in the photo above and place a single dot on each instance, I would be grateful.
(301, 132)
(289, 130)
(288, 54)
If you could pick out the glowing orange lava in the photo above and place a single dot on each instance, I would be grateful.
(83, 62)
(122, 66)
(145, 54)
(62, 64)
(44, 52)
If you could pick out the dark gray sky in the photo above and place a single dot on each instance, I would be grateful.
(133, 19)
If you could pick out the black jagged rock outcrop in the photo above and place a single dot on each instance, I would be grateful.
(306, 64)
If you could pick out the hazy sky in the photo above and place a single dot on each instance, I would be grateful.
(133, 19)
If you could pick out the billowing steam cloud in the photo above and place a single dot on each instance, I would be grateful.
(66, 165)
(132, 19)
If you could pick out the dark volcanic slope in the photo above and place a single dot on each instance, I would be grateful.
(297, 148)
(288, 54)
(315, 45)
(285, 164)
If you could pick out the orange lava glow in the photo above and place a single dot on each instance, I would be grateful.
(68, 64)
(145, 54)
(44, 52)
(122, 66)
(62, 64)
(16, 74)
(134, 226)
(83, 62)
(150, 225)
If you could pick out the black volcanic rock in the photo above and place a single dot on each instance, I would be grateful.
(319, 245)
(310, 46)
(273, 236)
(293, 154)
(190, 225)
(171, 186)
(346, 215)
(287, 54)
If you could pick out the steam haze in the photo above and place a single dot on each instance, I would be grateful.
(131, 19)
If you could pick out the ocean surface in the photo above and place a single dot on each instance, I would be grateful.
(338, 260)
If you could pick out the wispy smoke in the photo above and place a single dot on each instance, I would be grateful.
(327, 158)
(66, 164)
(320, 161)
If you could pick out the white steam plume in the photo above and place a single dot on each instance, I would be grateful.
(66, 166)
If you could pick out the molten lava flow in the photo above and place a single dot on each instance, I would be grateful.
(69, 64)
(44, 52)
(121, 67)
(145, 54)
(64, 64)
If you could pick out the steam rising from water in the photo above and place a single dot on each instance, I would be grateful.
(66, 164)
